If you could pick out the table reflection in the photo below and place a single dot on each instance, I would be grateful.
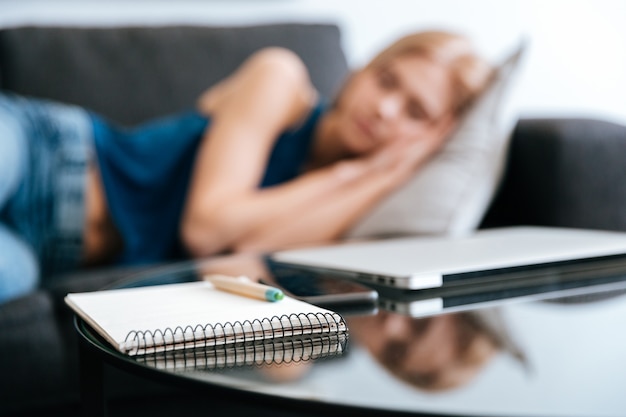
(434, 353)
(530, 354)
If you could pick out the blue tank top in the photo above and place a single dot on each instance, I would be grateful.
(146, 173)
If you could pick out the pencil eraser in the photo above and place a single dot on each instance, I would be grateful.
(273, 294)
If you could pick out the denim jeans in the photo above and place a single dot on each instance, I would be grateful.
(44, 152)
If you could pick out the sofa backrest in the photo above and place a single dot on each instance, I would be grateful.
(561, 172)
(131, 74)
(566, 172)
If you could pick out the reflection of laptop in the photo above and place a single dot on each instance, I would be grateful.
(486, 256)
(437, 300)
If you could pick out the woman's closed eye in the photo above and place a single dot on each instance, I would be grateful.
(416, 111)
(387, 80)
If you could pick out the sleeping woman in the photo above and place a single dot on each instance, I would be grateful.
(262, 163)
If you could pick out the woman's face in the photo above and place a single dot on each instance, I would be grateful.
(408, 345)
(427, 352)
(406, 98)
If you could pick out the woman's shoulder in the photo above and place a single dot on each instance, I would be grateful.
(288, 73)
(275, 76)
(279, 62)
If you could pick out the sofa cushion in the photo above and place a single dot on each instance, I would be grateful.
(131, 74)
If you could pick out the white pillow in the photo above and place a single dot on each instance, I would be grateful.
(450, 194)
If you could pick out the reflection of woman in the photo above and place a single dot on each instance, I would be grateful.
(261, 164)
(434, 353)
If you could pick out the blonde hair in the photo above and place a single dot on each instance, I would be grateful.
(470, 73)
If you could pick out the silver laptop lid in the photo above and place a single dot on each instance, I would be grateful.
(428, 262)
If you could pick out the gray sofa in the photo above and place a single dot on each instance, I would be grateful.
(562, 172)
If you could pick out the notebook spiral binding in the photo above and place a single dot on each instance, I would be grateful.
(203, 336)
(282, 351)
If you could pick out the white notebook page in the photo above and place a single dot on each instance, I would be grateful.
(116, 313)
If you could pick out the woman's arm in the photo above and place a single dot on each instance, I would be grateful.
(357, 186)
(251, 220)
(270, 92)
(227, 211)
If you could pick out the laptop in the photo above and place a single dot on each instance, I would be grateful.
(486, 256)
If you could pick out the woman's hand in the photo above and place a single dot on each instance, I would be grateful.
(398, 159)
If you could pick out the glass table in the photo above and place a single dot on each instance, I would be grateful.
(554, 348)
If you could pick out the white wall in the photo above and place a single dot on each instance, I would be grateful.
(576, 64)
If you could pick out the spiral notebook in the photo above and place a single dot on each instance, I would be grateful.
(195, 315)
